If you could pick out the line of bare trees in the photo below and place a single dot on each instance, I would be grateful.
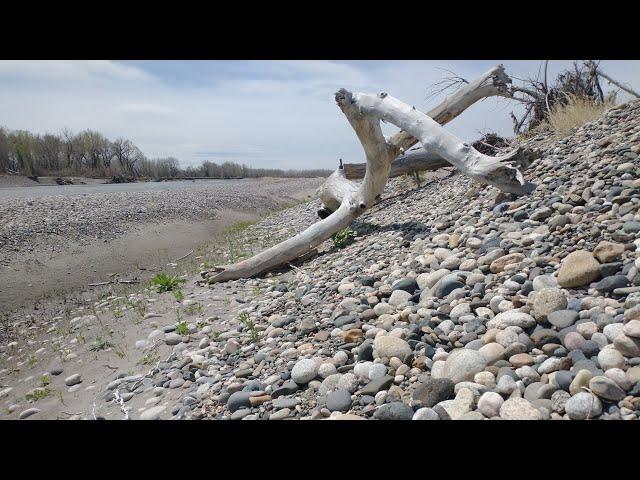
(91, 154)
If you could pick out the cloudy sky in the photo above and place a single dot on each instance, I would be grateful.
(277, 114)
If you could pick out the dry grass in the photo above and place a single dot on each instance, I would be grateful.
(564, 119)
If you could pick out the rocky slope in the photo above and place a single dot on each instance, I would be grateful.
(453, 302)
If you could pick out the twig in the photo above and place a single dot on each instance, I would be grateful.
(98, 284)
(183, 257)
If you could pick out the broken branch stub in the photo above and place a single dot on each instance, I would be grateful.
(364, 113)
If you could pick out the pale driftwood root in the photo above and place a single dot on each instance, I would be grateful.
(364, 112)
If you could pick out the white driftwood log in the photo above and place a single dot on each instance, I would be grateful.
(364, 113)
(494, 82)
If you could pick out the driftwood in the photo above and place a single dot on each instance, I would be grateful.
(364, 112)
(618, 84)
(494, 82)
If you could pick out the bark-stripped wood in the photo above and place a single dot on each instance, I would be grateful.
(494, 82)
(364, 112)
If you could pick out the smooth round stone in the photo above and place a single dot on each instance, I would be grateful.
(432, 391)
(559, 400)
(28, 412)
(462, 365)
(573, 341)
(620, 378)
(172, 339)
(361, 369)
(563, 318)
(390, 346)
(349, 382)
(327, 369)
(519, 409)
(612, 330)
(563, 379)
(376, 370)
(581, 379)
(521, 359)
(507, 337)
(394, 411)
(546, 301)
(544, 281)
(490, 403)
(583, 405)
(511, 318)
(304, 371)
(280, 414)
(606, 388)
(506, 385)
(239, 400)
(492, 352)
(577, 269)
(153, 413)
(339, 400)
(425, 414)
(73, 380)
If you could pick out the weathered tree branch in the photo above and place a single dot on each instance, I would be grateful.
(617, 84)
(494, 82)
(364, 113)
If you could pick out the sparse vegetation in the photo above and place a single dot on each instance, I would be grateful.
(150, 358)
(343, 238)
(165, 283)
(564, 118)
(194, 308)
(182, 329)
(237, 227)
(246, 320)
(38, 394)
(100, 344)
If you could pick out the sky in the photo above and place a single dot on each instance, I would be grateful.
(266, 114)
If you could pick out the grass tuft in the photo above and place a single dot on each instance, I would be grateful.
(343, 238)
(165, 283)
(564, 119)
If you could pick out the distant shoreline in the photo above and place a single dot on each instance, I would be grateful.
(16, 181)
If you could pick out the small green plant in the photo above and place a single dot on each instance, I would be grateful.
(31, 361)
(343, 238)
(44, 380)
(38, 394)
(119, 352)
(201, 324)
(256, 291)
(237, 227)
(194, 308)
(245, 319)
(150, 358)
(216, 335)
(182, 329)
(100, 344)
(165, 283)
(179, 295)
(226, 301)
(118, 313)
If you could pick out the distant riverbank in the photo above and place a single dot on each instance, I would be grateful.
(55, 239)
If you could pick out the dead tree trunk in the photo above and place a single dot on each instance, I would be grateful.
(494, 82)
(364, 112)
